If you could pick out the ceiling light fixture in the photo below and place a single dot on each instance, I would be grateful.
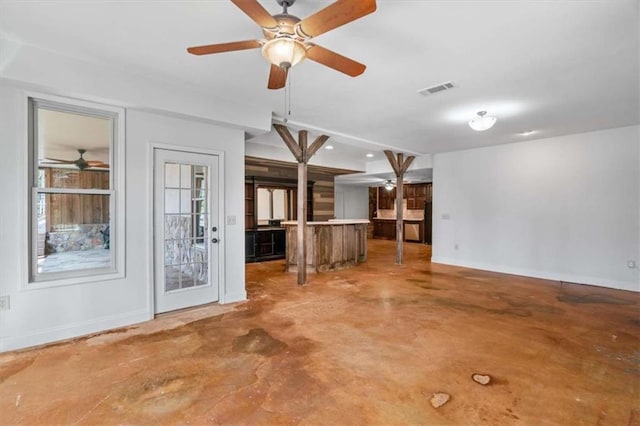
(369, 155)
(284, 51)
(328, 147)
(482, 122)
(527, 133)
(388, 185)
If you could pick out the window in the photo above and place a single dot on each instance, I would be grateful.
(75, 201)
(273, 205)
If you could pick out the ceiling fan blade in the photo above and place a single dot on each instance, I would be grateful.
(224, 47)
(277, 77)
(95, 163)
(55, 161)
(337, 14)
(98, 166)
(255, 11)
(334, 60)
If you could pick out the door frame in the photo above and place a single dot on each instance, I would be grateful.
(151, 228)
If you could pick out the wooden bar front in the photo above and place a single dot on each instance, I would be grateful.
(335, 244)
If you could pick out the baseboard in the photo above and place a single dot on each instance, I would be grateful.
(545, 275)
(69, 331)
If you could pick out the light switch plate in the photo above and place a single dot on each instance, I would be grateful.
(231, 220)
(4, 303)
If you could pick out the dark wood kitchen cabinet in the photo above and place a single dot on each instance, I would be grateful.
(386, 199)
(265, 244)
(416, 195)
(384, 229)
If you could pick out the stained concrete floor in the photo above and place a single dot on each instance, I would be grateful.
(368, 345)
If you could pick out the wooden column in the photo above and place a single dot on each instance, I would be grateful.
(400, 166)
(302, 154)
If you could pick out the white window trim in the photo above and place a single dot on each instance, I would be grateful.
(117, 198)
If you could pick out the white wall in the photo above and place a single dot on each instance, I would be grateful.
(43, 315)
(351, 202)
(67, 76)
(563, 208)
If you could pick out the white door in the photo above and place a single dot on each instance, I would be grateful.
(186, 250)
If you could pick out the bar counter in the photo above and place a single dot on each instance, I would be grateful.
(335, 244)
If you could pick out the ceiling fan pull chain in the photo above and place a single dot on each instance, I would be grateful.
(286, 113)
(284, 107)
(290, 90)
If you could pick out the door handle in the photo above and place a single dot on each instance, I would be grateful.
(214, 240)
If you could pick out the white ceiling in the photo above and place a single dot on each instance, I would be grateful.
(552, 67)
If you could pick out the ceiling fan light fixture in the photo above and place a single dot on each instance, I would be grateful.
(482, 122)
(388, 185)
(284, 52)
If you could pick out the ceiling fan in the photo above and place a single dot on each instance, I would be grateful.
(287, 38)
(80, 163)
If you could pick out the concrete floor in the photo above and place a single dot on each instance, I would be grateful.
(369, 345)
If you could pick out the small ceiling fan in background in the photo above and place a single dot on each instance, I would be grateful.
(287, 38)
(80, 163)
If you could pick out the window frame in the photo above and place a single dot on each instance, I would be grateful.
(116, 191)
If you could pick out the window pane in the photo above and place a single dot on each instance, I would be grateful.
(279, 204)
(264, 206)
(68, 143)
(73, 232)
(56, 177)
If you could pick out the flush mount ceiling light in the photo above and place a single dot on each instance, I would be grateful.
(328, 147)
(369, 155)
(388, 185)
(482, 122)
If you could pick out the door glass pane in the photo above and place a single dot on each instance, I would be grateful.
(200, 174)
(185, 201)
(186, 235)
(185, 176)
(171, 175)
(171, 201)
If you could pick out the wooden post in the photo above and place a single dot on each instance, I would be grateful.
(400, 166)
(302, 154)
(302, 211)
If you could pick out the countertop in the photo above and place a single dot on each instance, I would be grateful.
(404, 219)
(330, 222)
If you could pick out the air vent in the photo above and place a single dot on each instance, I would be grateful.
(436, 89)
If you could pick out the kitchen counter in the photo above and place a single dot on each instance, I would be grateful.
(413, 229)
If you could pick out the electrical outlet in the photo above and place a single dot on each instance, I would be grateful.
(631, 264)
(4, 303)
(445, 216)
